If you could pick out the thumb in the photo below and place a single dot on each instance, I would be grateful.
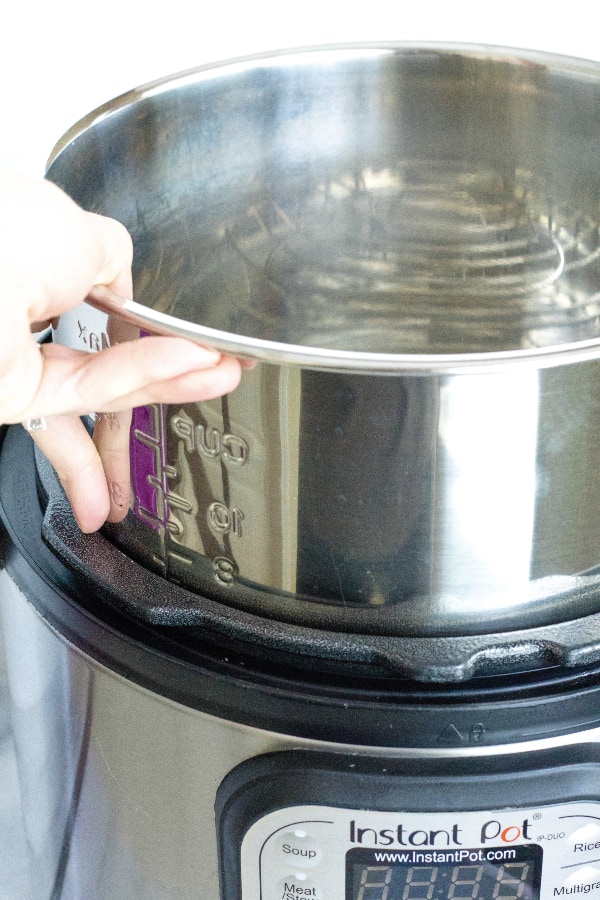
(21, 366)
(114, 252)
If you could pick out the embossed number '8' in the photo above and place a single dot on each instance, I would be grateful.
(225, 570)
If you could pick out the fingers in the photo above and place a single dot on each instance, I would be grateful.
(111, 439)
(95, 474)
(51, 253)
(115, 254)
(21, 370)
(152, 370)
(67, 445)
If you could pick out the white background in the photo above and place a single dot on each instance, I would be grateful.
(60, 60)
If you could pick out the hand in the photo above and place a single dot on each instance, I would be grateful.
(51, 254)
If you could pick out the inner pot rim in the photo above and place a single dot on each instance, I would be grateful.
(260, 350)
(318, 357)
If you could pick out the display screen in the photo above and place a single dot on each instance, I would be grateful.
(480, 873)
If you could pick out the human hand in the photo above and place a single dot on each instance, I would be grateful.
(51, 254)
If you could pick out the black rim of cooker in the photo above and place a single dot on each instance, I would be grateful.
(543, 684)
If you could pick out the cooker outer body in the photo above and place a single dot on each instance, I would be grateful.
(131, 790)
(120, 785)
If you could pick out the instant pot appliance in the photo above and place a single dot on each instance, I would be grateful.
(346, 644)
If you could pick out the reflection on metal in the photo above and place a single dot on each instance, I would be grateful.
(407, 239)
(488, 462)
(418, 258)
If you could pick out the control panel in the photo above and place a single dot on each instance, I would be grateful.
(328, 853)
(332, 826)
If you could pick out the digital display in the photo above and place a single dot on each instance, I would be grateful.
(480, 873)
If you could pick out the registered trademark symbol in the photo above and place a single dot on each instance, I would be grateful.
(537, 816)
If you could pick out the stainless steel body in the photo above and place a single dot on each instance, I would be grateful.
(119, 783)
(157, 760)
(379, 505)
(406, 238)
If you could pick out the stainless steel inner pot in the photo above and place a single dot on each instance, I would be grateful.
(406, 238)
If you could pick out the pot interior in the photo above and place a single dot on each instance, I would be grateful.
(393, 200)
(399, 205)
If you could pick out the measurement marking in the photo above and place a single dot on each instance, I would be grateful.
(179, 557)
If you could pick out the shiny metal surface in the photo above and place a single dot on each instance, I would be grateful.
(349, 206)
(118, 784)
(14, 868)
(407, 239)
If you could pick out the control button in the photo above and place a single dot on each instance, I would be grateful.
(299, 849)
(296, 886)
(582, 881)
(585, 842)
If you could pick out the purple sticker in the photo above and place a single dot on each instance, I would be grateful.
(145, 460)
